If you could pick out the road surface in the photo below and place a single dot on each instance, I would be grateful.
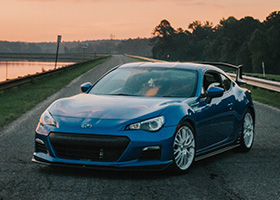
(253, 175)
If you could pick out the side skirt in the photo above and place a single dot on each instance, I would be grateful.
(215, 152)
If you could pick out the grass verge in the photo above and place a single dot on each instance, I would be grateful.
(265, 96)
(18, 100)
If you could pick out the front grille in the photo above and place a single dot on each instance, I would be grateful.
(88, 147)
(40, 148)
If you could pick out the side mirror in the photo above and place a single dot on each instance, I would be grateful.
(85, 86)
(213, 92)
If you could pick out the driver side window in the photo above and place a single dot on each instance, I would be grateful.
(214, 79)
(211, 79)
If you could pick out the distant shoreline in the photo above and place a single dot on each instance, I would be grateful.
(70, 57)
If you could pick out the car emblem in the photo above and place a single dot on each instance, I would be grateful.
(86, 125)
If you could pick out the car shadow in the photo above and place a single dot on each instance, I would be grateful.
(104, 174)
(197, 167)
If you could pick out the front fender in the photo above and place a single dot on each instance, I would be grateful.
(176, 113)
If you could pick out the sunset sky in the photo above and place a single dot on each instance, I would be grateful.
(43, 20)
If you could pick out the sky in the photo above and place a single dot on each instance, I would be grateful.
(80, 20)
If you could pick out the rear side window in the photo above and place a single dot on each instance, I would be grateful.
(215, 79)
(226, 82)
(211, 79)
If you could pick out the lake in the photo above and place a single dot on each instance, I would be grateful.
(14, 69)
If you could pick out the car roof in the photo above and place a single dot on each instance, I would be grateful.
(176, 65)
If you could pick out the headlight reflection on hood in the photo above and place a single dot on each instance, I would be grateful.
(153, 124)
(48, 119)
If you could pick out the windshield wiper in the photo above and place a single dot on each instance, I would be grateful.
(173, 96)
(123, 94)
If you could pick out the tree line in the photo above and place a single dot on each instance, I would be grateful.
(246, 41)
(137, 46)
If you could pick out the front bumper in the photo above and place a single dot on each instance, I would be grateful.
(145, 150)
(135, 165)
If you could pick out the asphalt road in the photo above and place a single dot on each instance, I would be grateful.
(253, 175)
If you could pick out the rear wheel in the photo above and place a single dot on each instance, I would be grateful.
(248, 132)
(184, 148)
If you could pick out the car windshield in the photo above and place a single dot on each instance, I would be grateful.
(147, 81)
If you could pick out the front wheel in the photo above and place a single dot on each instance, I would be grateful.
(184, 148)
(247, 135)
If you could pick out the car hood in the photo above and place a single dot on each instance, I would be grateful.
(109, 107)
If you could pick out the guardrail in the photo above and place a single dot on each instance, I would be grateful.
(262, 83)
(16, 82)
(257, 82)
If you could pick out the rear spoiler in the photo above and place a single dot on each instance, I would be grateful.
(238, 69)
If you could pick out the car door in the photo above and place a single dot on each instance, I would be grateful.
(215, 118)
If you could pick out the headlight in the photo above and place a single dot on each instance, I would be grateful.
(153, 124)
(48, 119)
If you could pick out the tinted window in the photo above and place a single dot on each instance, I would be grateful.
(211, 79)
(159, 82)
(214, 79)
(226, 82)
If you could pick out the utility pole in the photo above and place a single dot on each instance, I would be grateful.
(58, 41)
(84, 46)
(263, 68)
(6, 70)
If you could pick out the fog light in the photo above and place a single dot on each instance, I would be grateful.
(39, 141)
(151, 153)
(151, 148)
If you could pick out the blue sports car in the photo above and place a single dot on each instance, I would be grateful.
(148, 116)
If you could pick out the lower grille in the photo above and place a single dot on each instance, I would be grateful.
(88, 147)
(151, 155)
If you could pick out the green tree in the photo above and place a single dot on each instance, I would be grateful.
(163, 41)
(258, 47)
(246, 41)
(272, 31)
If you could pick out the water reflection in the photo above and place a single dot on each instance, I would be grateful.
(14, 69)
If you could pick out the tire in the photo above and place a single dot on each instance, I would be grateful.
(248, 132)
(183, 148)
